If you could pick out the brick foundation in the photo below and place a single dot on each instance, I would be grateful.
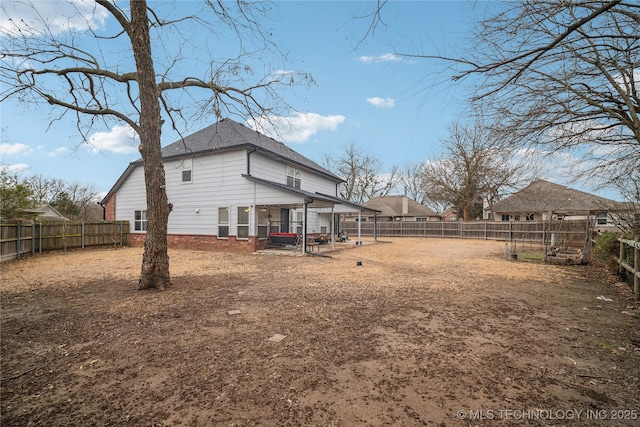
(201, 242)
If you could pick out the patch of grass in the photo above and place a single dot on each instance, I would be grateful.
(607, 346)
(537, 257)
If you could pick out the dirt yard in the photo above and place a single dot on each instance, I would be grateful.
(423, 332)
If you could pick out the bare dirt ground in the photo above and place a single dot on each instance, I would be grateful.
(424, 332)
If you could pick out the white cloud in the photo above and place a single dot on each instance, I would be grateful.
(119, 140)
(296, 129)
(387, 57)
(381, 102)
(35, 17)
(59, 150)
(15, 168)
(17, 148)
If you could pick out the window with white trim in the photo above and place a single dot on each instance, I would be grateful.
(602, 218)
(263, 222)
(243, 222)
(223, 223)
(140, 220)
(187, 170)
(293, 177)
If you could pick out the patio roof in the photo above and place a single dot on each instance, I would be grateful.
(314, 200)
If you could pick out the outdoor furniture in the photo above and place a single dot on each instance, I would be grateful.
(282, 241)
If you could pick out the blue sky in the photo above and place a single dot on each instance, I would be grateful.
(394, 108)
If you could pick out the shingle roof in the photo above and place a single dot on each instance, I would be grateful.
(227, 135)
(392, 206)
(545, 196)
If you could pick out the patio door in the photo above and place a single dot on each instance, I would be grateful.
(284, 220)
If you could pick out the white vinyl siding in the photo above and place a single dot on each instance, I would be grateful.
(216, 182)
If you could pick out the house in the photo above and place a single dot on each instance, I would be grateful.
(398, 208)
(46, 213)
(231, 186)
(449, 214)
(543, 200)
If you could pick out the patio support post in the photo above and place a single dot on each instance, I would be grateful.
(304, 228)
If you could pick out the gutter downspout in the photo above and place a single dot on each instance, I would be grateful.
(104, 211)
(249, 160)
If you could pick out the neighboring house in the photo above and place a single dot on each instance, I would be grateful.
(449, 214)
(543, 200)
(45, 213)
(230, 186)
(397, 208)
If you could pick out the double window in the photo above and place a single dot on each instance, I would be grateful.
(140, 220)
(293, 177)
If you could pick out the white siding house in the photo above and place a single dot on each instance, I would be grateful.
(230, 186)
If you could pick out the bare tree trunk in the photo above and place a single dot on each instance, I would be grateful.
(155, 262)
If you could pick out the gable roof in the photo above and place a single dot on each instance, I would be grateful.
(545, 196)
(393, 206)
(228, 135)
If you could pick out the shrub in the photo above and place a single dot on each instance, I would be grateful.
(606, 249)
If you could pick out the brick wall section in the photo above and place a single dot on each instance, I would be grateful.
(110, 209)
(201, 243)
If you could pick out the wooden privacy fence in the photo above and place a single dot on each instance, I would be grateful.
(557, 233)
(629, 261)
(19, 239)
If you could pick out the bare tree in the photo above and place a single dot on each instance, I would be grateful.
(564, 76)
(363, 174)
(412, 178)
(138, 72)
(475, 166)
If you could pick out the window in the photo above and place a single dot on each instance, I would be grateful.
(263, 222)
(223, 222)
(530, 217)
(243, 222)
(293, 177)
(602, 218)
(140, 220)
(516, 217)
(187, 167)
(505, 217)
(421, 219)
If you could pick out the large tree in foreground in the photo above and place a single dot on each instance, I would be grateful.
(129, 63)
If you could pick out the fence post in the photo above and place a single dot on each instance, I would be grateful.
(82, 236)
(636, 268)
(461, 232)
(121, 233)
(623, 250)
(18, 242)
(485, 230)
(33, 238)
(39, 237)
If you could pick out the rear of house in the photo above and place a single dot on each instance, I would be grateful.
(230, 186)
